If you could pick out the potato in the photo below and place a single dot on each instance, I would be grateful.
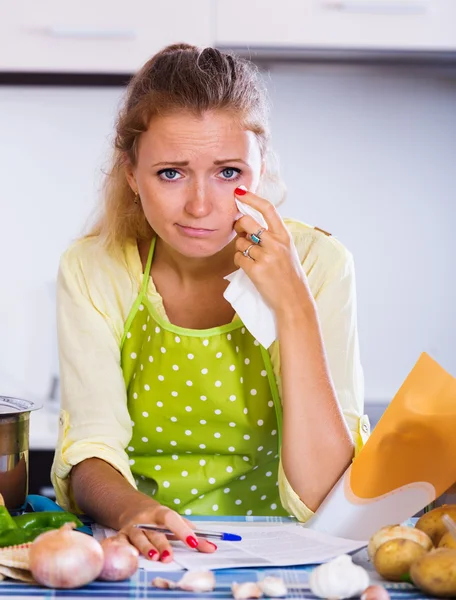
(393, 558)
(435, 572)
(447, 541)
(392, 532)
(432, 524)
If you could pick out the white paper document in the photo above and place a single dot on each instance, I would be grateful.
(265, 545)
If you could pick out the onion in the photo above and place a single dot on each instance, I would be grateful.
(120, 560)
(64, 558)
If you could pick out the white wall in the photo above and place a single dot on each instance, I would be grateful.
(368, 153)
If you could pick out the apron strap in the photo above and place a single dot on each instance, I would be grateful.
(275, 394)
(148, 266)
(142, 293)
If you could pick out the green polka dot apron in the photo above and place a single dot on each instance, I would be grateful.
(205, 412)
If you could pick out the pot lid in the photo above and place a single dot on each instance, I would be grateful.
(12, 406)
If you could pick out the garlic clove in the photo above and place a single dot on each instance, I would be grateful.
(249, 589)
(197, 581)
(338, 579)
(273, 587)
(375, 592)
(164, 584)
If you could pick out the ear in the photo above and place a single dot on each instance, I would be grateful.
(130, 175)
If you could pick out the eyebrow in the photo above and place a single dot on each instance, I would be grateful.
(184, 163)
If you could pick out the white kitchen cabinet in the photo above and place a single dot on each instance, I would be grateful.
(100, 36)
(386, 25)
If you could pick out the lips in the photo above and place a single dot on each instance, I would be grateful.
(195, 228)
(195, 231)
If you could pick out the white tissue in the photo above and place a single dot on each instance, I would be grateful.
(246, 299)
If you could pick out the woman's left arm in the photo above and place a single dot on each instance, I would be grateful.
(317, 445)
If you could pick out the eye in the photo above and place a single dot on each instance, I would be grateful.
(169, 174)
(230, 173)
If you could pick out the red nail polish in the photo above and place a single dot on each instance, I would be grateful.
(212, 544)
(240, 192)
(164, 554)
(191, 541)
(152, 553)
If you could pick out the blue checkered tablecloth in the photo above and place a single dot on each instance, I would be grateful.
(140, 586)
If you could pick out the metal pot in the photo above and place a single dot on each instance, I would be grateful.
(14, 449)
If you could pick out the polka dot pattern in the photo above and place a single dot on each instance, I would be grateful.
(206, 421)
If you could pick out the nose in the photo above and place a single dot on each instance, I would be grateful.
(199, 203)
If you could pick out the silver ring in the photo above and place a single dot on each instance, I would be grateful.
(247, 253)
(256, 237)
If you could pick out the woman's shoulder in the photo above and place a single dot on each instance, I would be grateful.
(109, 279)
(90, 256)
(316, 243)
(322, 256)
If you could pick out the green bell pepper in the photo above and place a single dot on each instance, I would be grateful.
(6, 520)
(25, 528)
(15, 537)
(44, 519)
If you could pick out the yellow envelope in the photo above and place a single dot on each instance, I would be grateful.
(408, 461)
(415, 440)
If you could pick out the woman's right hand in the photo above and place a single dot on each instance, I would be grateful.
(156, 546)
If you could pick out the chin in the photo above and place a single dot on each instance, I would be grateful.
(202, 248)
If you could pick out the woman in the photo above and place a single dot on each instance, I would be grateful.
(169, 404)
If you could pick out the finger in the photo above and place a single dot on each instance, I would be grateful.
(252, 251)
(204, 545)
(162, 544)
(245, 263)
(268, 210)
(246, 226)
(138, 538)
(180, 527)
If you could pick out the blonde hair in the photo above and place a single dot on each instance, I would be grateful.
(179, 77)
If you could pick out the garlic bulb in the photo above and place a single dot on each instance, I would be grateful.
(248, 589)
(120, 560)
(64, 558)
(338, 579)
(197, 581)
(273, 587)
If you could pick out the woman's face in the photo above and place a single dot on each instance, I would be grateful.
(187, 170)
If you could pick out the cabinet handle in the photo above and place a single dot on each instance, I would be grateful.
(398, 7)
(88, 33)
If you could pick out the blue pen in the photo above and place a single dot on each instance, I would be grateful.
(226, 537)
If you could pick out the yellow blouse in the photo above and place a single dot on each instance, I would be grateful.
(95, 293)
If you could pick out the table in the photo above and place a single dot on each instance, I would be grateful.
(139, 586)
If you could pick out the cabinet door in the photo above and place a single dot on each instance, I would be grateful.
(337, 24)
(100, 36)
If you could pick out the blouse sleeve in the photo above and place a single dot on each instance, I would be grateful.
(94, 419)
(336, 305)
